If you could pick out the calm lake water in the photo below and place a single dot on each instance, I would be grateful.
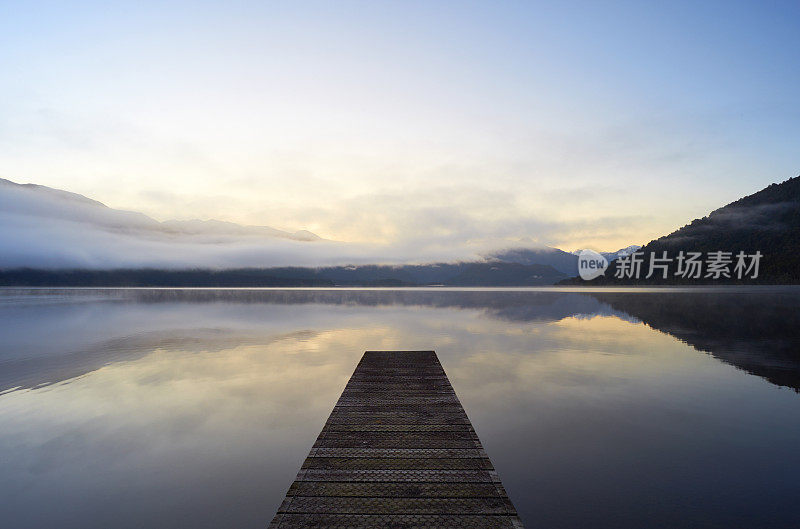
(196, 408)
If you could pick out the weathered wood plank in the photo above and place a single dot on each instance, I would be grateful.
(397, 451)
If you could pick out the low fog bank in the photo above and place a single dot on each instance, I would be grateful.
(45, 243)
(51, 229)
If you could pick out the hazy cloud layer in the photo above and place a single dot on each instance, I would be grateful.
(41, 227)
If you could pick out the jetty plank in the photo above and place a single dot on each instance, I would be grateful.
(397, 451)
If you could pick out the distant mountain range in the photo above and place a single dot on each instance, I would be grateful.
(767, 222)
(471, 274)
(613, 256)
(564, 262)
(50, 237)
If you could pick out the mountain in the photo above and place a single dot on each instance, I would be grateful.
(492, 273)
(613, 256)
(564, 262)
(767, 222)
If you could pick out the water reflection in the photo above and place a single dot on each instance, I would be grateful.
(162, 408)
(758, 332)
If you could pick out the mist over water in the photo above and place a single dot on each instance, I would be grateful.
(195, 408)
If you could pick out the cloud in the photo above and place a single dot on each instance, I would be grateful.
(48, 243)
(758, 216)
(46, 228)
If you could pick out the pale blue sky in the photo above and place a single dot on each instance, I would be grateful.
(594, 124)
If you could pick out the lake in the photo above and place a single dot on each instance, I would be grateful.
(599, 408)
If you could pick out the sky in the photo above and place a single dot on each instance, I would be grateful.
(406, 124)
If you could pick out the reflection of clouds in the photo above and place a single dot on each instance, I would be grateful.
(212, 404)
(80, 330)
(188, 411)
(63, 365)
(564, 356)
(77, 331)
(203, 374)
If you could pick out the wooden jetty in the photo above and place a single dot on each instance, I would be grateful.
(397, 451)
